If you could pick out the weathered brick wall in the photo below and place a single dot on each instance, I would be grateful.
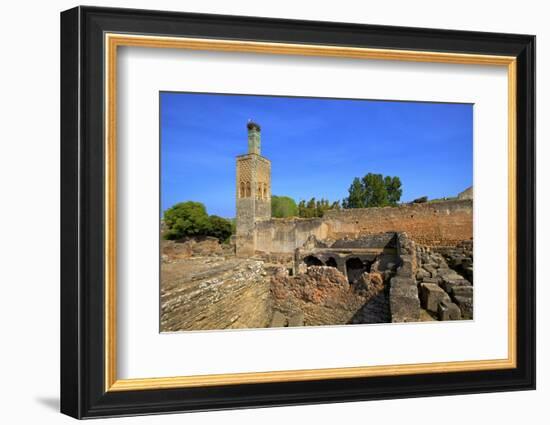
(285, 235)
(436, 224)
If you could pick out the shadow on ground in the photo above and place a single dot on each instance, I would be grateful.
(49, 402)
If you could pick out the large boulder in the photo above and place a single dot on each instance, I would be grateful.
(466, 306)
(448, 285)
(431, 295)
(448, 274)
(435, 280)
(447, 310)
(422, 273)
(430, 268)
(463, 296)
(463, 291)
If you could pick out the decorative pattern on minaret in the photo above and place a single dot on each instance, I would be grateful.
(253, 190)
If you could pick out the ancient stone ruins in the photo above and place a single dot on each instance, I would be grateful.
(409, 263)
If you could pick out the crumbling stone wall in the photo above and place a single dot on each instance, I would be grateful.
(193, 247)
(337, 282)
(354, 254)
(404, 301)
(444, 223)
(322, 295)
(280, 235)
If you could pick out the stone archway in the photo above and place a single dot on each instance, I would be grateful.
(312, 260)
(355, 267)
(331, 262)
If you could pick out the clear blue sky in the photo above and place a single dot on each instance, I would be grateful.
(316, 146)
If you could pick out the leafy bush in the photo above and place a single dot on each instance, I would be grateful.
(220, 228)
(191, 219)
(283, 206)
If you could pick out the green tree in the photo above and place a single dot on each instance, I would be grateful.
(315, 208)
(393, 187)
(356, 197)
(321, 206)
(283, 206)
(311, 208)
(220, 228)
(191, 219)
(186, 219)
(302, 208)
(373, 190)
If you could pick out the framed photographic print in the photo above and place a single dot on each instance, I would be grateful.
(261, 212)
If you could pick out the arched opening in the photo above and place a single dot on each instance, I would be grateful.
(242, 191)
(311, 260)
(355, 268)
(248, 190)
(331, 262)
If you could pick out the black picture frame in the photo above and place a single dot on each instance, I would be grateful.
(83, 392)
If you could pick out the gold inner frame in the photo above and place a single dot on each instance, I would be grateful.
(113, 41)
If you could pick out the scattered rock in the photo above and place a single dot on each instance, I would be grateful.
(435, 280)
(431, 295)
(466, 306)
(460, 258)
(449, 284)
(430, 268)
(426, 316)
(447, 310)
(448, 274)
(463, 291)
(422, 274)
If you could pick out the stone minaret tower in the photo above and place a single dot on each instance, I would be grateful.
(253, 191)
